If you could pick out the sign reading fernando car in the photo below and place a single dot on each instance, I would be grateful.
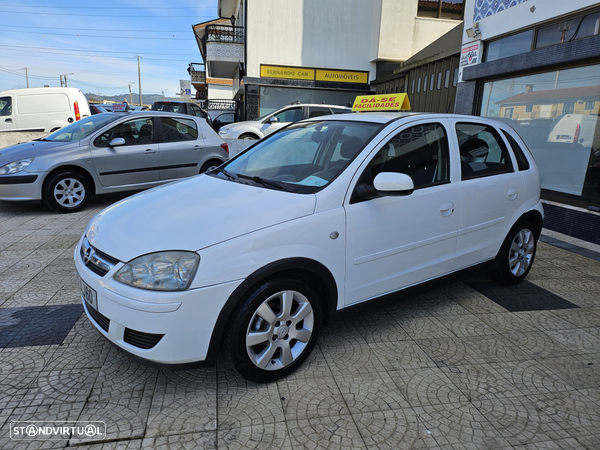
(386, 102)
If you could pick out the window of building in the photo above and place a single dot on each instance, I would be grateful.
(412, 89)
(439, 80)
(447, 79)
(455, 78)
(431, 81)
(569, 30)
(441, 9)
(425, 84)
(509, 46)
(529, 108)
(562, 134)
(419, 85)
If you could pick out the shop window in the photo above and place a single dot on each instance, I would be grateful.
(562, 134)
(441, 9)
(509, 46)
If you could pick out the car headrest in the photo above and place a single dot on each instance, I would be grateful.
(350, 147)
(474, 148)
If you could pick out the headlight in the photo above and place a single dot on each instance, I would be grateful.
(162, 271)
(15, 166)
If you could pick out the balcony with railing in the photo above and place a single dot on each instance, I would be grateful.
(223, 50)
(197, 73)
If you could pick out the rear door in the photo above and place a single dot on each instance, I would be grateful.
(136, 162)
(181, 148)
(492, 192)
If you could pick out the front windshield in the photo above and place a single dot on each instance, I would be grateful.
(303, 157)
(82, 128)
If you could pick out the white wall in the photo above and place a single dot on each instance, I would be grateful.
(219, 92)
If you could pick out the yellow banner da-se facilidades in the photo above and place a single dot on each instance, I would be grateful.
(386, 102)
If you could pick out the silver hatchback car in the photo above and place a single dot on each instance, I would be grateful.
(105, 153)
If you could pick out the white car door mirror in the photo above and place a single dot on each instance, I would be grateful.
(273, 119)
(394, 184)
(117, 142)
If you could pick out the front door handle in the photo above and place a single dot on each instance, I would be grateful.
(149, 151)
(9, 120)
(447, 209)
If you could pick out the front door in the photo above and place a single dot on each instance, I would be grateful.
(136, 162)
(395, 242)
(7, 118)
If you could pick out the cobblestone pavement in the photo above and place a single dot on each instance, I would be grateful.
(470, 366)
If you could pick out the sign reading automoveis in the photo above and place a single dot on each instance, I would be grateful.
(302, 73)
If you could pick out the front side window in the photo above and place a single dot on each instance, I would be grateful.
(420, 152)
(290, 115)
(135, 132)
(482, 151)
(303, 157)
(5, 106)
(176, 130)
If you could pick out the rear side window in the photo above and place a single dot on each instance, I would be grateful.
(316, 111)
(522, 162)
(482, 151)
(197, 111)
(290, 115)
(176, 130)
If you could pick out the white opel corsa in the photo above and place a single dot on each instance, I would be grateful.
(253, 257)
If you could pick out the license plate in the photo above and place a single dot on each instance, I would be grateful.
(88, 294)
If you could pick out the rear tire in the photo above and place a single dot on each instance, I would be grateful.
(274, 329)
(66, 192)
(517, 254)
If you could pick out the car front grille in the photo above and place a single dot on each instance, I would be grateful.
(140, 339)
(98, 262)
(101, 320)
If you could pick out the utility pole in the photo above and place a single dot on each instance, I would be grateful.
(27, 76)
(139, 80)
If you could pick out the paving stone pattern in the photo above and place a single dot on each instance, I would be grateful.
(470, 366)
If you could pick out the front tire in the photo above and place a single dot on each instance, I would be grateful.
(274, 329)
(517, 254)
(249, 136)
(66, 192)
(210, 165)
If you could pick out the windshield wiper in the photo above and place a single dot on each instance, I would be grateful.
(267, 183)
(224, 172)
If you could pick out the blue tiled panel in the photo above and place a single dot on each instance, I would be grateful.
(486, 8)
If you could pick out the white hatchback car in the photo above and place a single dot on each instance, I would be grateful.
(265, 125)
(325, 215)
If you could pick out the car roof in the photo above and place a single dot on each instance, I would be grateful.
(387, 117)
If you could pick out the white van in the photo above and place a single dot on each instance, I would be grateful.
(577, 129)
(41, 109)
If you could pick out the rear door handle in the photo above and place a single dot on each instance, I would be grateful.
(512, 194)
(447, 209)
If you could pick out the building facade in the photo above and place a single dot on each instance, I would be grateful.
(536, 65)
(278, 52)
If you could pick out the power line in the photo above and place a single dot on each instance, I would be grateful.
(106, 37)
(110, 7)
(90, 29)
(81, 50)
(137, 16)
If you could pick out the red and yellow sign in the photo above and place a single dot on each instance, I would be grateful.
(386, 102)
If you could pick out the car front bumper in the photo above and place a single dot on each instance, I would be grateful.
(21, 187)
(160, 328)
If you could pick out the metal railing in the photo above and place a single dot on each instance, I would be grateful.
(197, 72)
(223, 34)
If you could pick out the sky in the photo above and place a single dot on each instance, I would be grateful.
(97, 47)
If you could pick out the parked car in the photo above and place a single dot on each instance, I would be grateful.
(41, 109)
(182, 108)
(263, 126)
(581, 129)
(222, 119)
(325, 215)
(110, 152)
(97, 109)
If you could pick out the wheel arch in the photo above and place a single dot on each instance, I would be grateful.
(310, 270)
(534, 217)
(72, 168)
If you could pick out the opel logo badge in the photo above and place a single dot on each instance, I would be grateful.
(87, 252)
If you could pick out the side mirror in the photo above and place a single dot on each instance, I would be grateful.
(273, 119)
(117, 142)
(393, 184)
